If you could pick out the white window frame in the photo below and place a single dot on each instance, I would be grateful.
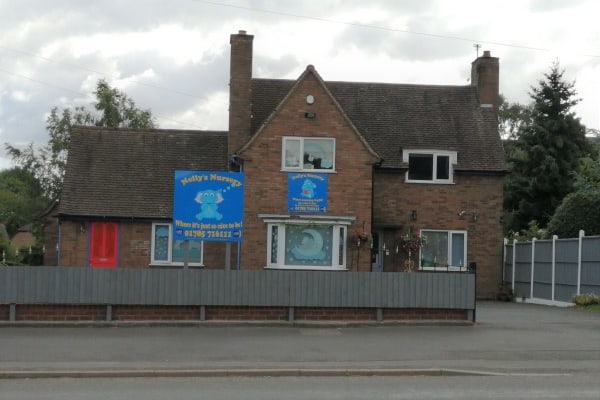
(169, 261)
(300, 140)
(450, 232)
(337, 264)
(452, 155)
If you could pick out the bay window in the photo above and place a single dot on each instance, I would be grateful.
(306, 244)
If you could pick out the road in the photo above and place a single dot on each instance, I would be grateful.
(263, 388)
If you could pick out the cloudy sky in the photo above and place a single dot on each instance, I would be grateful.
(172, 57)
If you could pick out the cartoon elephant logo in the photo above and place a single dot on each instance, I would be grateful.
(308, 189)
(209, 204)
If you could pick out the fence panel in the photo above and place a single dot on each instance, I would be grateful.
(564, 273)
(69, 285)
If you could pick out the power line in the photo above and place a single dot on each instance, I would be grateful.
(356, 24)
(38, 81)
(27, 53)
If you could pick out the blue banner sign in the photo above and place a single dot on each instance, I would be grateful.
(208, 206)
(307, 192)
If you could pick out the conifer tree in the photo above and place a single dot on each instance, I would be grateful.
(546, 155)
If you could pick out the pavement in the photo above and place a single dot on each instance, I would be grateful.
(508, 339)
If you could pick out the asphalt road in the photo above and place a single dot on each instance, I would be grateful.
(264, 388)
(509, 338)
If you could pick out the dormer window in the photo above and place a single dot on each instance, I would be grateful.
(308, 154)
(429, 166)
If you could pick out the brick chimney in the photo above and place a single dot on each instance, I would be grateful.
(485, 76)
(240, 90)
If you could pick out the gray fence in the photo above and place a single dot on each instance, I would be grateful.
(60, 285)
(553, 270)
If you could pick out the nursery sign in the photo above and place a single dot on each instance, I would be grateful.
(208, 206)
(307, 192)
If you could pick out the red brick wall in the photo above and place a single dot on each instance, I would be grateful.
(4, 312)
(416, 314)
(233, 313)
(50, 240)
(155, 313)
(437, 207)
(51, 312)
(135, 242)
(334, 314)
(73, 244)
(266, 185)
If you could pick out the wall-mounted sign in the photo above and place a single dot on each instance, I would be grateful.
(307, 192)
(208, 206)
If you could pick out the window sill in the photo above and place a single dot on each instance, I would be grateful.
(432, 182)
(309, 171)
(176, 266)
(304, 268)
(444, 269)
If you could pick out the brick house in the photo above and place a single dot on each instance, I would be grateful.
(392, 159)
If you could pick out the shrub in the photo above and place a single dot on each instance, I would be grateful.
(578, 210)
(587, 299)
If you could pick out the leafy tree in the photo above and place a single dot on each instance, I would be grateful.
(579, 210)
(511, 117)
(21, 199)
(546, 155)
(114, 109)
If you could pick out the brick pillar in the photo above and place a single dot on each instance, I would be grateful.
(240, 90)
(485, 76)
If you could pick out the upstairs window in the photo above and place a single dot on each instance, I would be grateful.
(308, 154)
(428, 166)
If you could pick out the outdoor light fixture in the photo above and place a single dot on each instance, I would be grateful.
(413, 215)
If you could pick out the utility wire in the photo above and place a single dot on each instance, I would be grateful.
(84, 95)
(357, 24)
(99, 72)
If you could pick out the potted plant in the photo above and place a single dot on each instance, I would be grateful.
(410, 244)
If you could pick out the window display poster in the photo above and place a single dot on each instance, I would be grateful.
(307, 192)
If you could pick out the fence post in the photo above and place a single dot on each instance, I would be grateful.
(514, 262)
(581, 235)
(532, 267)
(504, 260)
(554, 237)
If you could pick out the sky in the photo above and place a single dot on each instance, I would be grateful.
(172, 57)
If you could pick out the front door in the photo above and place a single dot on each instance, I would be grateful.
(377, 252)
(103, 244)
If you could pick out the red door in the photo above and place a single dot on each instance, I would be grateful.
(103, 243)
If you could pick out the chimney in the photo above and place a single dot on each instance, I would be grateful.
(240, 91)
(485, 76)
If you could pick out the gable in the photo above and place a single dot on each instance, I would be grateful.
(124, 173)
(295, 108)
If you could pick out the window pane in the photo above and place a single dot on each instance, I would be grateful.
(318, 153)
(292, 153)
(308, 245)
(435, 251)
(443, 167)
(194, 255)
(420, 167)
(274, 243)
(458, 249)
(161, 242)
